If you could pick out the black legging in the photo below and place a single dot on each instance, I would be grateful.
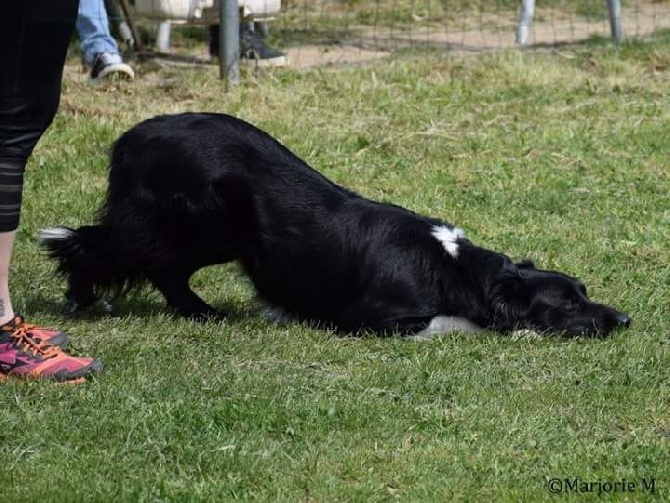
(34, 36)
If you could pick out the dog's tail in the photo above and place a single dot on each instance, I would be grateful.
(86, 257)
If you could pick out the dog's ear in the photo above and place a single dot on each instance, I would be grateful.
(509, 299)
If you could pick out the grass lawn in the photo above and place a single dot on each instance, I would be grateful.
(559, 156)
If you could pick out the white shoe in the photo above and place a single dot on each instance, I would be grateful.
(106, 64)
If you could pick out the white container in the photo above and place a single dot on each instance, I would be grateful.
(194, 10)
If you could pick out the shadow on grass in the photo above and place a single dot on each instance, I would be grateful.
(137, 305)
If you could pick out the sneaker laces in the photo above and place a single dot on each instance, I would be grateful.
(29, 345)
(31, 326)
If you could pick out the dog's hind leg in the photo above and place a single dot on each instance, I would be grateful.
(173, 284)
(80, 295)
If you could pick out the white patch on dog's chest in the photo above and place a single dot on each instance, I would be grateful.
(449, 237)
(446, 324)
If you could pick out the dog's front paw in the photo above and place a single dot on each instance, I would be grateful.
(525, 333)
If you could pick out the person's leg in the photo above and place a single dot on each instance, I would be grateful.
(255, 52)
(29, 96)
(93, 30)
(30, 30)
(253, 49)
(101, 52)
(6, 245)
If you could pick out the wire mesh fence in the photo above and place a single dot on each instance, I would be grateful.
(316, 32)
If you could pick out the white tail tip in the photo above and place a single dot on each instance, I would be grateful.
(54, 234)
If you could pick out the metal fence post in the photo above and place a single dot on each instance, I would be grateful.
(229, 41)
(525, 21)
(614, 8)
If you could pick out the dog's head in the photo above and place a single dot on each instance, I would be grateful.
(548, 301)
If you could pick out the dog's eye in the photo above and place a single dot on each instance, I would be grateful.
(570, 305)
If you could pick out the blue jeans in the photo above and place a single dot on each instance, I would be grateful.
(93, 30)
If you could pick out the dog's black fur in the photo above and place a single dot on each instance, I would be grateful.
(190, 190)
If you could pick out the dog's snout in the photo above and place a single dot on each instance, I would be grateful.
(623, 320)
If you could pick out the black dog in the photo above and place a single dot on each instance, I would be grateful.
(191, 190)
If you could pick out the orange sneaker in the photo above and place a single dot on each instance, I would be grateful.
(22, 356)
(49, 336)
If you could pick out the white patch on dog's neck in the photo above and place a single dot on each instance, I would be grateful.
(449, 237)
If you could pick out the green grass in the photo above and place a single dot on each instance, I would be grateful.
(562, 157)
(394, 11)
